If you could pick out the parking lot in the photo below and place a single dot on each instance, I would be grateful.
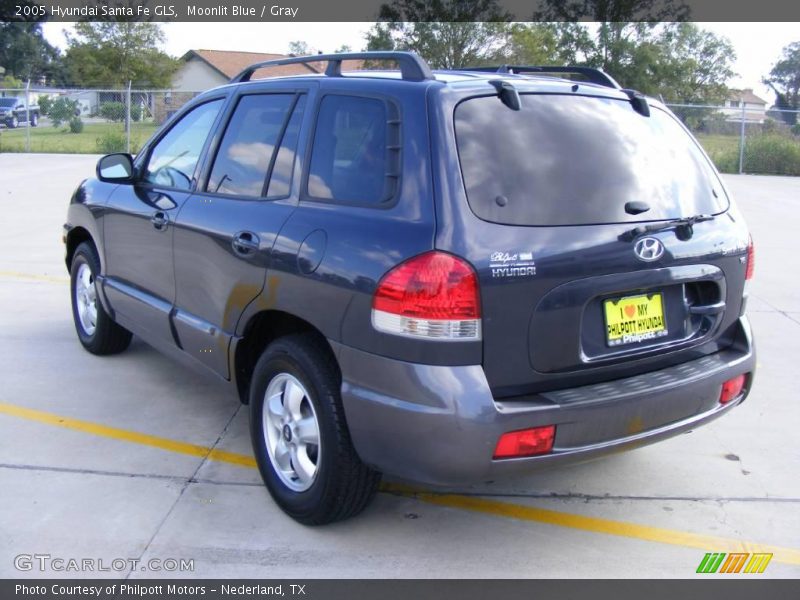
(135, 457)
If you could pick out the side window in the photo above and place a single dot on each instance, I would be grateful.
(280, 181)
(174, 157)
(246, 153)
(356, 152)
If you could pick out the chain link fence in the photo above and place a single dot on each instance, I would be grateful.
(739, 137)
(746, 138)
(88, 121)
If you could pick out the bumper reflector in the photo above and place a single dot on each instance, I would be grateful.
(526, 442)
(731, 389)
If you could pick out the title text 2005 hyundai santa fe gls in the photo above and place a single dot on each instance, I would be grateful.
(443, 276)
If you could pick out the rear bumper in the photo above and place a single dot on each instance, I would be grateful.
(439, 425)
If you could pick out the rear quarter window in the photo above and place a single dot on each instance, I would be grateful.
(576, 160)
(355, 156)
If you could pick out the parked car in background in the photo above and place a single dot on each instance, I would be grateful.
(14, 113)
(446, 276)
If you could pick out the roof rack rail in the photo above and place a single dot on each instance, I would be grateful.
(597, 76)
(412, 67)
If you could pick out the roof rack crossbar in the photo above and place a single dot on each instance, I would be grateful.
(412, 67)
(597, 76)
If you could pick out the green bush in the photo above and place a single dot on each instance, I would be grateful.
(769, 154)
(112, 141)
(113, 111)
(769, 126)
(726, 161)
(45, 103)
(796, 129)
(75, 125)
(62, 110)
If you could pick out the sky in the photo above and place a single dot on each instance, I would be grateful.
(757, 45)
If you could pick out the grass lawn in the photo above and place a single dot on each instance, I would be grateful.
(59, 140)
(717, 144)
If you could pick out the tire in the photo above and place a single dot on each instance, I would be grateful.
(34, 119)
(97, 332)
(13, 122)
(340, 485)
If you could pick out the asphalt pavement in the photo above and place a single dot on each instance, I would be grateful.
(135, 457)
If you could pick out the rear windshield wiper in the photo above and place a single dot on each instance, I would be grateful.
(683, 227)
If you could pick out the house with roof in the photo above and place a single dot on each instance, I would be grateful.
(201, 70)
(204, 69)
(745, 102)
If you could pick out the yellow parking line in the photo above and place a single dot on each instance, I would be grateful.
(128, 436)
(790, 556)
(647, 533)
(33, 277)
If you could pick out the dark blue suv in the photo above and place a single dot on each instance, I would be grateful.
(442, 276)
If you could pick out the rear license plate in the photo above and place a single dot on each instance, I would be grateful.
(634, 319)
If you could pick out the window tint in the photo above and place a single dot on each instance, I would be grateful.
(174, 157)
(575, 160)
(349, 161)
(245, 154)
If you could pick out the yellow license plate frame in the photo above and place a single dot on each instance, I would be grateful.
(634, 319)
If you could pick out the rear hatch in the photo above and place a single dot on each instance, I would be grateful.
(552, 209)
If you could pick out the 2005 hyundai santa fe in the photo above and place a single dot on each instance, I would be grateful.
(442, 276)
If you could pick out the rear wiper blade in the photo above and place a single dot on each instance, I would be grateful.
(683, 227)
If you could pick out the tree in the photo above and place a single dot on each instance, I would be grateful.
(9, 82)
(613, 11)
(694, 65)
(546, 44)
(784, 79)
(300, 48)
(113, 53)
(677, 61)
(25, 54)
(447, 33)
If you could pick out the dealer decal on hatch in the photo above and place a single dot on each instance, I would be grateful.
(506, 264)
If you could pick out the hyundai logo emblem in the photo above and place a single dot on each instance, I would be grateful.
(649, 249)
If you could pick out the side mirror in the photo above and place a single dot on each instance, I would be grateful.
(115, 168)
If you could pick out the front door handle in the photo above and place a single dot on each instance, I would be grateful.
(160, 220)
(245, 243)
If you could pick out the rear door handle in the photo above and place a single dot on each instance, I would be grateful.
(160, 220)
(245, 243)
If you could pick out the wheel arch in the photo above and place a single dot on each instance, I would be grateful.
(75, 237)
(262, 328)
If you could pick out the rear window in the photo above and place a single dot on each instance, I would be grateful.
(576, 160)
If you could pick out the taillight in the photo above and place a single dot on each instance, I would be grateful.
(751, 260)
(433, 295)
(732, 389)
(526, 442)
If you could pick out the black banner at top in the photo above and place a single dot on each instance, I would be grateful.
(399, 10)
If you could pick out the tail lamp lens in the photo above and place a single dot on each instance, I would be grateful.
(751, 260)
(433, 295)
